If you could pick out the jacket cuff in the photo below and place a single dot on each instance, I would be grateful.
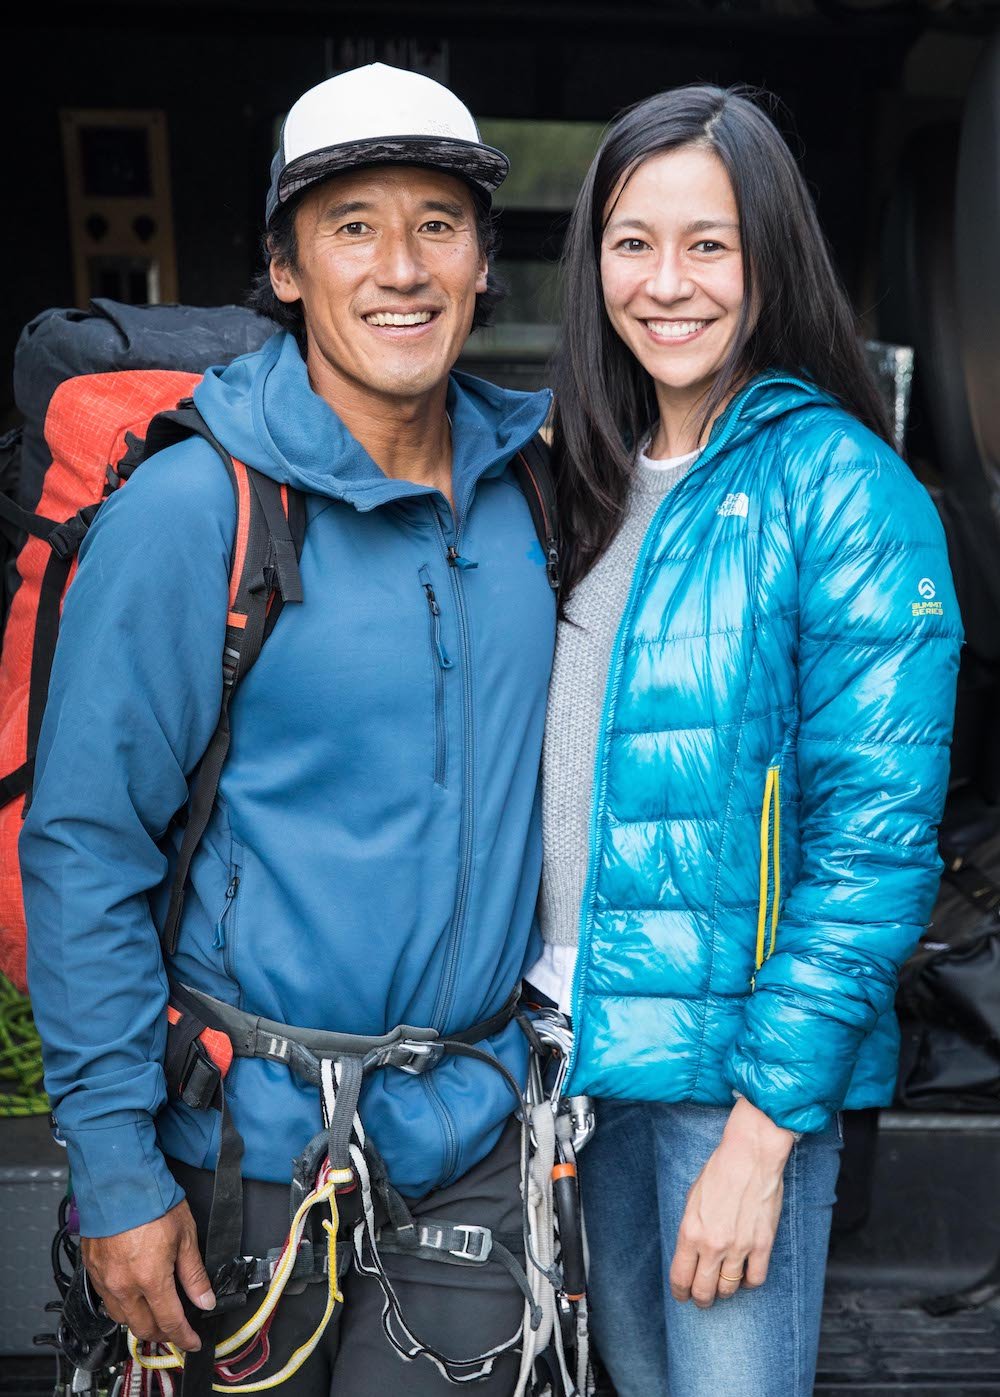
(119, 1177)
(778, 1095)
(795, 1134)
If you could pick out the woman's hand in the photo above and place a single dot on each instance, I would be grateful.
(732, 1212)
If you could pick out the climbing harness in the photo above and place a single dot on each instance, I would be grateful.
(341, 1173)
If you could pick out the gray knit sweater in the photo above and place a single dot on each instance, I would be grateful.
(576, 699)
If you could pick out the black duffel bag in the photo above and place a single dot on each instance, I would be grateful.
(949, 991)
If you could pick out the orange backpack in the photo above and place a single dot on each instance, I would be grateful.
(98, 428)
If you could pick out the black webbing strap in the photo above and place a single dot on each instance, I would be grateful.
(225, 1220)
(351, 1080)
(242, 649)
(17, 783)
(43, 651)
(224, 1237)
(64, 539)
(170, 428)
(176, 1057)
(297, 529)
(460, 1244)
(270, 571)
(21, 521)
(198, 1374)
(283, 564)
(202, 802)
(532, 467)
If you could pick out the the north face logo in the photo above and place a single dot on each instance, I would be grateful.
(734, 504)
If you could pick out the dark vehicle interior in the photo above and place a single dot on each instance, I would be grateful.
(893, 107)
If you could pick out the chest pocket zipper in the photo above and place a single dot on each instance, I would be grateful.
(439, 663)
(220, 944)
(770, 865)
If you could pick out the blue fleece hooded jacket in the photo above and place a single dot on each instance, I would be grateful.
(373, 856)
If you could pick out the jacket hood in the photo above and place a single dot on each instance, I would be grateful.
(265, 413)
(771, 395)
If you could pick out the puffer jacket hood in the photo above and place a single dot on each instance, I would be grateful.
(771, 396)
(771, 767)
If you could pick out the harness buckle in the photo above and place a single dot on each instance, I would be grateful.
(413, 1057)
(200, 1079)
(482, 1236)
(231, 1284)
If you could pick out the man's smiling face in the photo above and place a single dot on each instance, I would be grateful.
(388, 268)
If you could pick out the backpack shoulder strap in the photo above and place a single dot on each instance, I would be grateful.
(270, 529)
(533, 468)
(264, 575)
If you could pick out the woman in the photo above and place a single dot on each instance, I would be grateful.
(747, 746)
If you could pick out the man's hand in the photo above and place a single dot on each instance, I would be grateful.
(134, 1273)
(732, 1212)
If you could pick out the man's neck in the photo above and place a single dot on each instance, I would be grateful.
(407, 438)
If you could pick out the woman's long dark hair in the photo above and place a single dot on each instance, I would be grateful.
(605, 400)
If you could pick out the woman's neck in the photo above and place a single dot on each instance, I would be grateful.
(681, 429)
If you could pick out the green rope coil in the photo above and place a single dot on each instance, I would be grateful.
(21, 1090)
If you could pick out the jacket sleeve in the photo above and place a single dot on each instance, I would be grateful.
(879, 640)
(134, 698)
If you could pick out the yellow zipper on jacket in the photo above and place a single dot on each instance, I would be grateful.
(770, 864)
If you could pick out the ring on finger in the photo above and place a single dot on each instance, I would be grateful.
(733, 1280)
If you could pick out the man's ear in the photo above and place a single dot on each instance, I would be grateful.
(283, 282)
(482, 276)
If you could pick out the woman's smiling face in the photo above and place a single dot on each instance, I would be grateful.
(672, 269)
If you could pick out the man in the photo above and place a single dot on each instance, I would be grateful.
(373, 856)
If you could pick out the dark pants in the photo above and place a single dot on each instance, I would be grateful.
(460, 1311)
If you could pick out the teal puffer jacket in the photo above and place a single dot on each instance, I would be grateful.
(771, 769)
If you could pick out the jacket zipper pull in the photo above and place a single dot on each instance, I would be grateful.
(432, 602)
(455, 560)
(220, 926)
(552, 563)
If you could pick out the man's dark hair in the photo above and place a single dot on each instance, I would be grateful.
(803, 324)
(279, 244)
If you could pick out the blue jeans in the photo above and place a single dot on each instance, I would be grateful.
(635, 1175)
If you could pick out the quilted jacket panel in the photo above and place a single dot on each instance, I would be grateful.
(772, 768)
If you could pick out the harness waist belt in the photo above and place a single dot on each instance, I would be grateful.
(257, 1037)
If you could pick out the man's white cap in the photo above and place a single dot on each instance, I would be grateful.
(379, 115)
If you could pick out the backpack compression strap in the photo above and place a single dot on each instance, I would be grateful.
(64, 538)
(533, 468)
(270, 526)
